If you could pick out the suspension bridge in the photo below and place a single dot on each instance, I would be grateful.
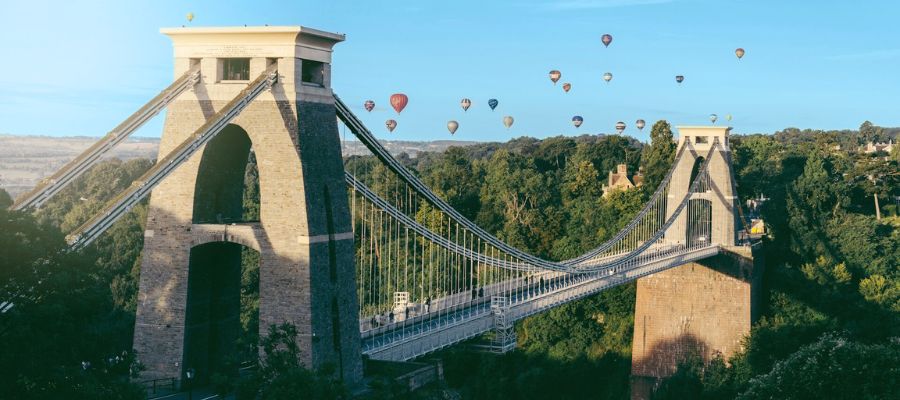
(366, 260)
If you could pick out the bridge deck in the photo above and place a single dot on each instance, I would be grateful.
(430, 332)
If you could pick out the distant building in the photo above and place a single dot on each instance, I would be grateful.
(876, 147)
(619, 180)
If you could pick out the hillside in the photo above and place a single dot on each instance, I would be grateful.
(24, 160)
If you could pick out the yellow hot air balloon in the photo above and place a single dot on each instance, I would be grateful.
(190, 16)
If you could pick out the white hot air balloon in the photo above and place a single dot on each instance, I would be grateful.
(452, 126)
(508, 121)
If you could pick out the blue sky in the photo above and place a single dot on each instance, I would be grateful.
(79, 68)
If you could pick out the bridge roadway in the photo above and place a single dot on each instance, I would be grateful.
(422, 334)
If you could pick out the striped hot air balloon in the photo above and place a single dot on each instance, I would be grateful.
(465, 104)
(399, 101)
(620, 126)
(390, 124)
(369, 105)
(679, 78)
(607, 77)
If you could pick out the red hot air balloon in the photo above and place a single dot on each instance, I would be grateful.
(390, 124)
(555, 75)
(398, 101)
(679, 78)
(739, 52)
(567, 86)
(369, 105)
(606, 39)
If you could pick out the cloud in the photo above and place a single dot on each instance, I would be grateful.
(872, 55)
(595, 4)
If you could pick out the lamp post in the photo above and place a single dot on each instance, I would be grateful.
(190, 381)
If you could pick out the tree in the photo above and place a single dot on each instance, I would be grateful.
(658, 157)
(834, 367)
(282, 375)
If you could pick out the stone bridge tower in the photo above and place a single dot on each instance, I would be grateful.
(197, 231)
(700, 308)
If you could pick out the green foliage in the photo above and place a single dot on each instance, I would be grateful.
(62, 317)
(658, 157)
(833, 367)
(520, 375)
(281, 374)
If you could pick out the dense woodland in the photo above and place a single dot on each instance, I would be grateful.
(830, 326)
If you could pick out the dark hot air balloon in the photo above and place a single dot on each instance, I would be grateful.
(398, 101)
(713, 118)
(607, 77)
(577, 120)
(390, 124)
(492, 103)
(739, 52)
(555, 75)
(606, 39)
(465, 104)
(508, 121)
(679, 78)
(640, 124)
(567, 86)
(452, 126)
(620, 126)
(369, 105)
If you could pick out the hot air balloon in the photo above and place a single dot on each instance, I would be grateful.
(679, 78)
(555, 75)
(190, 16)
(607, 77)
(567, 86)
(492, 103)
(620, 126)
(640, 124)
(398, 101)
(739, 52)
(452, 126)
(728, 117)
(713, 118)
(606, 39)
(577, 120)
(369, 105)
(465, 104)
(390, 124)
(508, 121)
